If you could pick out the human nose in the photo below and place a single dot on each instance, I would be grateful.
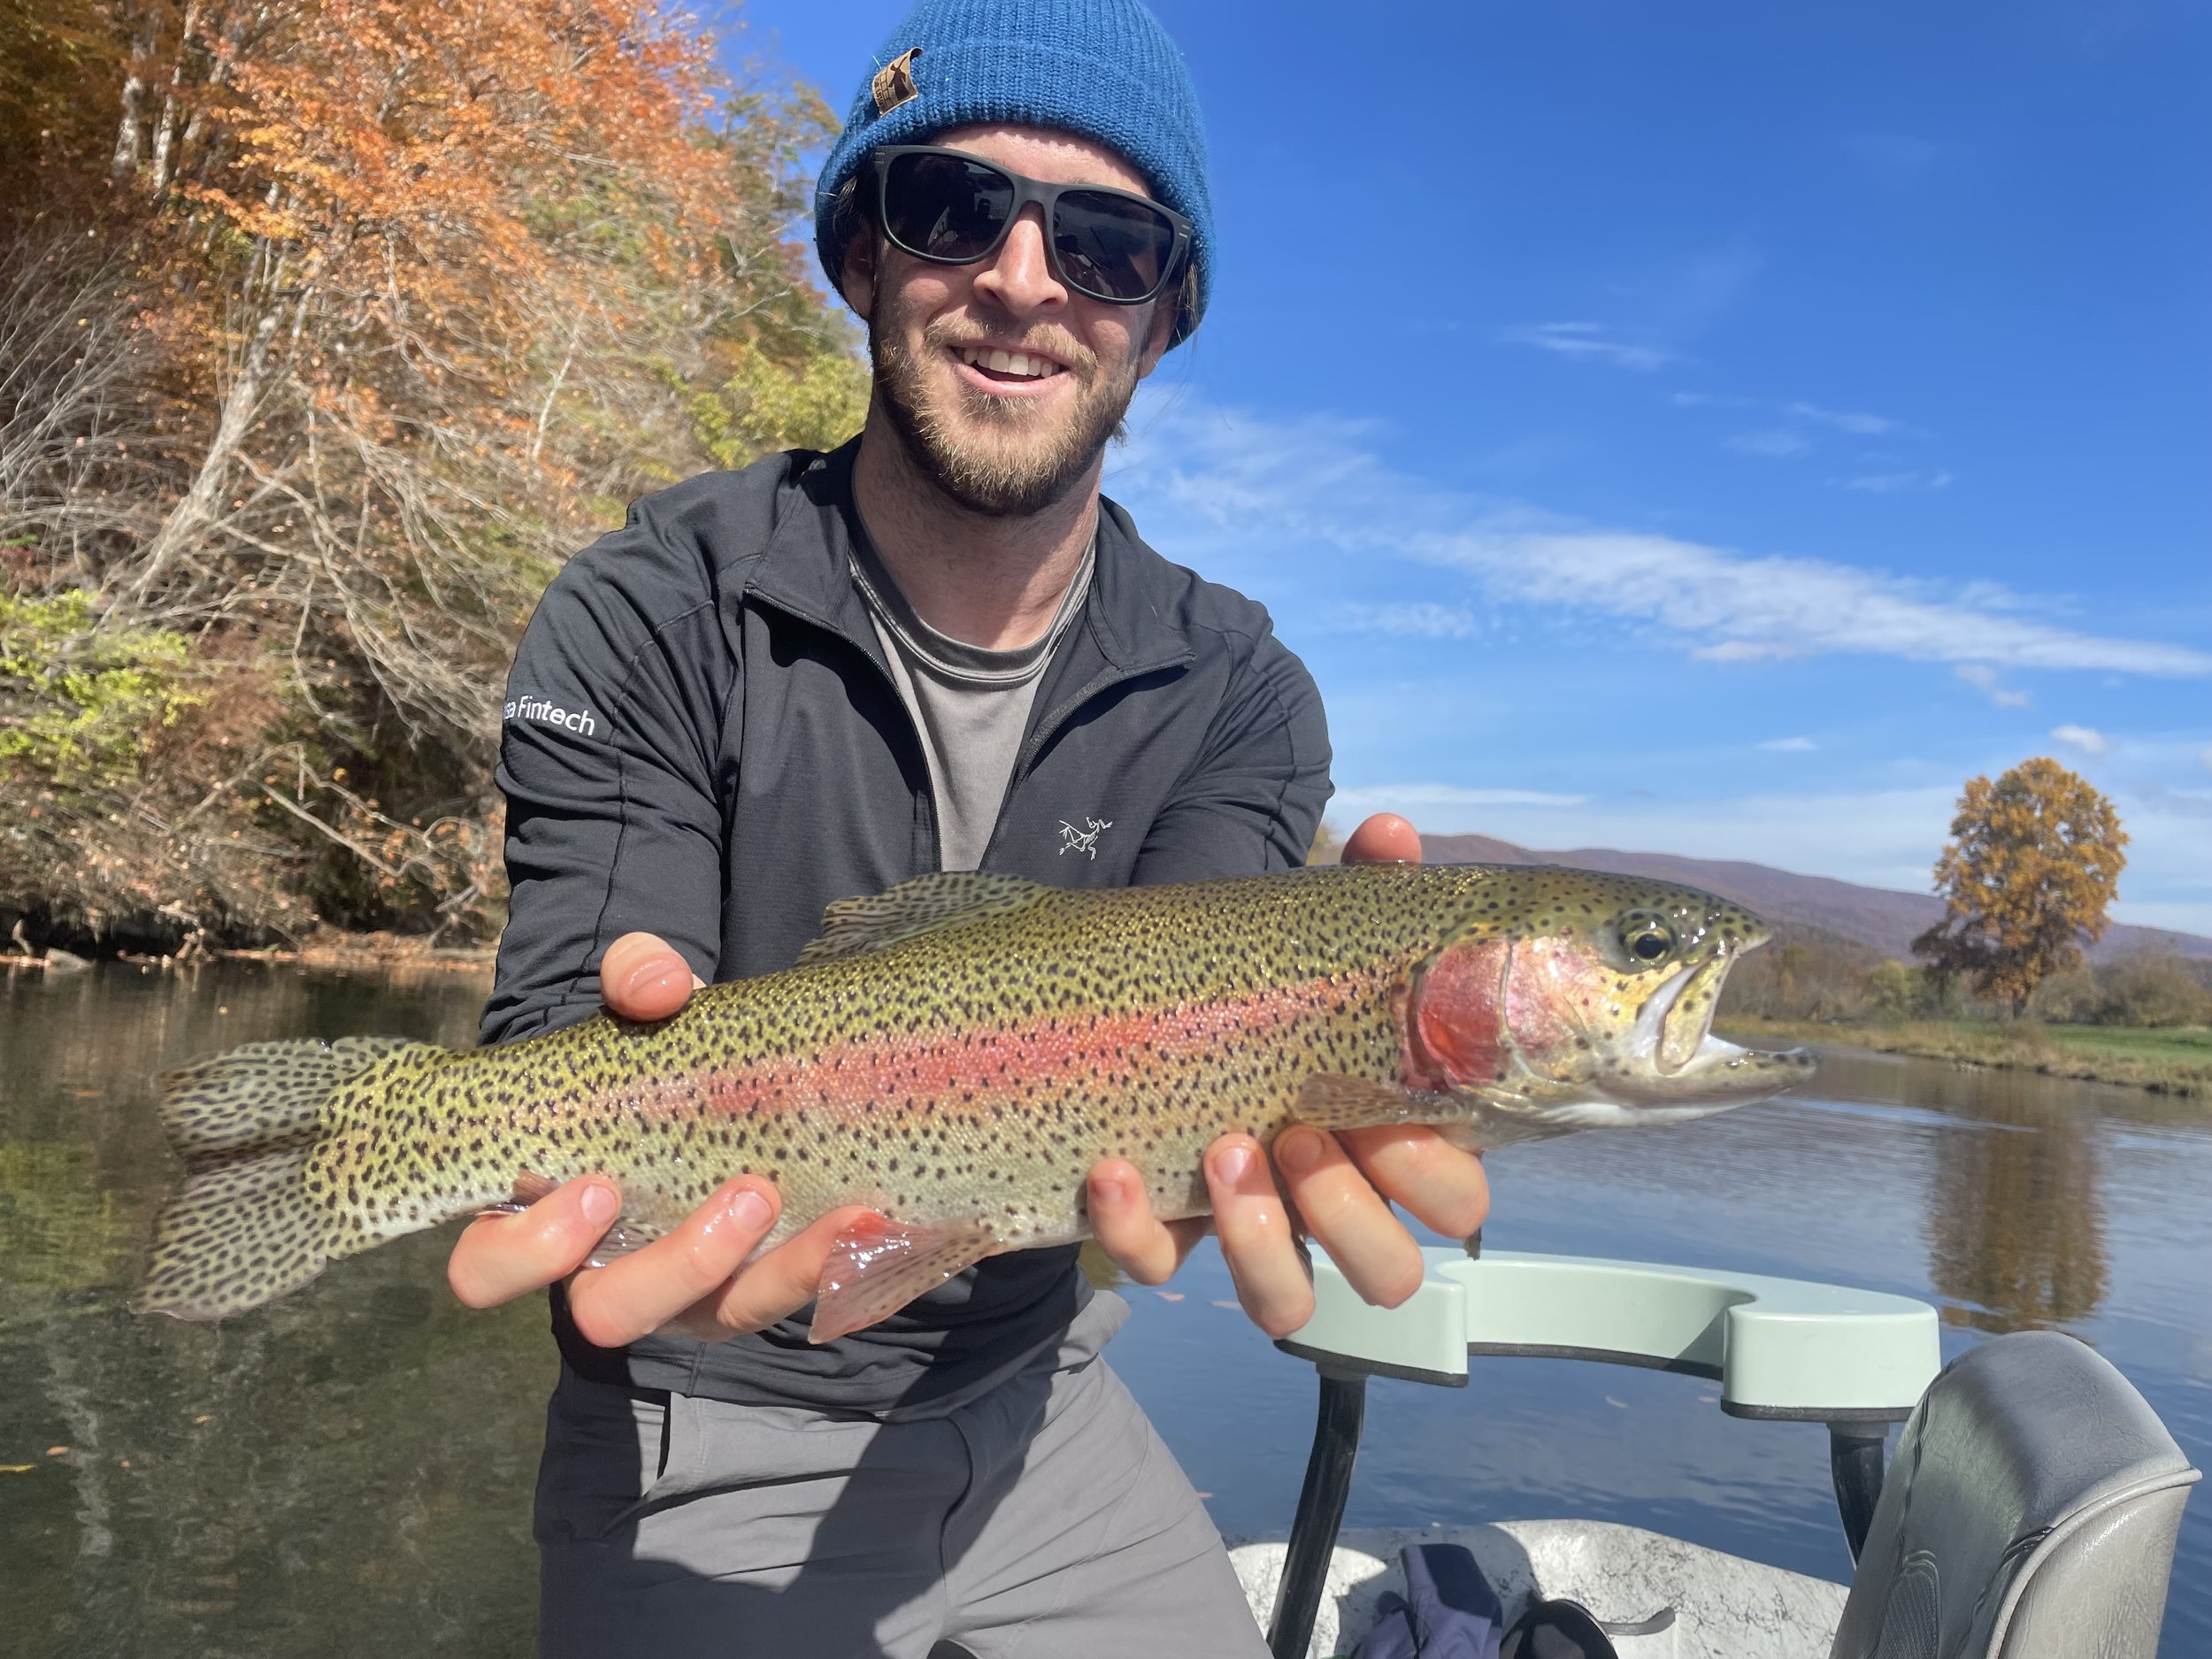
(1019, 278)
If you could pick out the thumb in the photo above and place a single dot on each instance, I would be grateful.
(644, 976)
(1383, 839)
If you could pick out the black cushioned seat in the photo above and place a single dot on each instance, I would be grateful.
(2030, 1513)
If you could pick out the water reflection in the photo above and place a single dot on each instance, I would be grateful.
(346, 1473)
(349, 1470)
(2016, 1225)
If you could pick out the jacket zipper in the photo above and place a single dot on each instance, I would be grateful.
(917, 748)
(1046, 729)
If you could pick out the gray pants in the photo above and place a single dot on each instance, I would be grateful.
(1044, 1519)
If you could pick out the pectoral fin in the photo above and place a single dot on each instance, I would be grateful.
(876, 1267)
(1331, 1100)
(1468, 1120)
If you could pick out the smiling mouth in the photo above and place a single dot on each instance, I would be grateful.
(1009, 367)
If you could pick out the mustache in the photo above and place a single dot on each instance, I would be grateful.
(950, 333)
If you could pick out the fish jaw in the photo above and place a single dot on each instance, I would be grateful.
(1720, 1072)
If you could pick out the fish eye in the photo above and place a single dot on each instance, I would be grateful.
(1647, 937)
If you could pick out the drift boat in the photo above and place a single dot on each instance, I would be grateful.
(2029, 1512)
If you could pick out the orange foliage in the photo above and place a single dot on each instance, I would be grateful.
(2034, 860)
(414, 294)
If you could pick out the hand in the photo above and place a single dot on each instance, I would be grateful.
(693, 1282)
(1338, 1188)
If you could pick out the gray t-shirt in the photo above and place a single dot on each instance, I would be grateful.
(970, 703)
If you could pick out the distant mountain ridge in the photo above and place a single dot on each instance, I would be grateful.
(1877, 918)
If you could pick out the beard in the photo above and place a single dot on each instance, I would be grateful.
(1000, 458)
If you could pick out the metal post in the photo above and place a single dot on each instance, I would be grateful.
(1337, 1419)
(1855, 1459)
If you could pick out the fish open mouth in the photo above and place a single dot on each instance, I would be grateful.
(1674, 1025)
(1674, 1039)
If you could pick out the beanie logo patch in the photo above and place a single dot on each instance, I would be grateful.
(894, 84)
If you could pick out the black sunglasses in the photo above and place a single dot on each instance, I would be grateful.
(953, 208)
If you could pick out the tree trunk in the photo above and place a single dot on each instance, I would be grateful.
(165, 129)
(231, 33)
(126, 160)
(196, 509)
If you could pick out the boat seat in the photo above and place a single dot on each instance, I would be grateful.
(2030, 1513)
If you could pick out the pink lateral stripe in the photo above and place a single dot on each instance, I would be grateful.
(992, 1063)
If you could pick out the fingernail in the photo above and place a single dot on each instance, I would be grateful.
(651, 973)
(1234, 1164)
(750, 1209)
(601, 1204)
(1299, 1152)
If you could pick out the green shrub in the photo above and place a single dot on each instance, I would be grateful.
(2140, 991)
(79, 704)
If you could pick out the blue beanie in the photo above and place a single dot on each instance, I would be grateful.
(1104, 69)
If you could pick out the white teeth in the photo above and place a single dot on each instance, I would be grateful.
(1001, 362)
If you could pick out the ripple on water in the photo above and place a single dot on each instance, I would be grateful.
(350, 1470)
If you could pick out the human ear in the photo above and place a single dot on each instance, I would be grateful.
(856, 278)
(1163, 328)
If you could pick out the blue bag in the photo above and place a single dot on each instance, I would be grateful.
(1449, 1611)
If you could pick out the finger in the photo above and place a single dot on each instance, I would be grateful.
(1256, 1241)
(774, 1288)
(1369, 1246)
(1122, 1220)
(1443, 1185)
(644, 976)
(616, 1304)
(500, 1257)
(1383, 839)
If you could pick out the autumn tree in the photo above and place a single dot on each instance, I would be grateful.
(344, 321)
(2033, 862)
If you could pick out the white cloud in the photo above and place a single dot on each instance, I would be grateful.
(1732, 607)
(2205, 756)
(1802, 412)
(1779, 442)
(1844, 421)
(1790, 745)
(1743, 651)
(1417, 621)
(1983, 677)
(1892, 483)
(1216, 481)
(2082, 737)
(1588, 343)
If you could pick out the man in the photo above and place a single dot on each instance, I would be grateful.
(935, 648)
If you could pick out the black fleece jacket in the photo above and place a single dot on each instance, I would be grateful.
(702, 741)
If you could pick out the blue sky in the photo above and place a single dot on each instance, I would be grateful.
(1711, 429)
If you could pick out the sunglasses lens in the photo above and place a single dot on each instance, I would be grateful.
(943, 207)
(1112, 247)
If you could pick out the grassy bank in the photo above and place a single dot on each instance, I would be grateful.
(2174, 1060)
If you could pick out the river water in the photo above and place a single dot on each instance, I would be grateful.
(349, 1472)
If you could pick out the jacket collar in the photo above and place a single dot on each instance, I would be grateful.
(807, 570)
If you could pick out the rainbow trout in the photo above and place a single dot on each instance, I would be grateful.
(957, 1052)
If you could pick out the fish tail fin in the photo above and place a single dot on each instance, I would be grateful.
(243, 1229)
